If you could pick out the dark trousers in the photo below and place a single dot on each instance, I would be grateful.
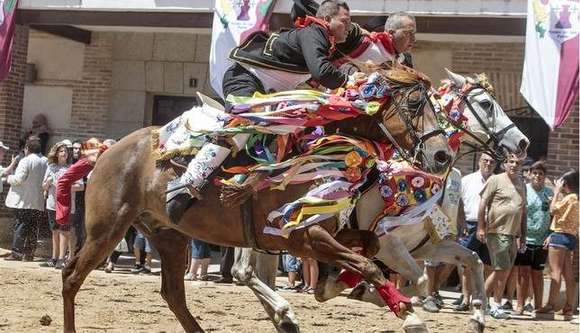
(25, 231)
(226, 262)
(78, 224)
(238, 81)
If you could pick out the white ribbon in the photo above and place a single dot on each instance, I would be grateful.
(414, 215)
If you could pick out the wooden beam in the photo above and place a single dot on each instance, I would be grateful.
(66, 31)
(500, 26)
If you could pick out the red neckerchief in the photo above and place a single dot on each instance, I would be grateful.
(303, 22)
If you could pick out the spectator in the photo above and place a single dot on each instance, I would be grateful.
(291, 265)
(114, 257)
(62, 239)
(502, 226)
(25, 196)
(437, 273)
(77, 147)
(471, 186)
(41, 130)
(310, 272)
(200, 257)
(530, 264)
(226, 263)
(8, 170)
(562, 241)
(141, 245)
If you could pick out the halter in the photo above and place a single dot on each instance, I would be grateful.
(494, 138)
(408, 115)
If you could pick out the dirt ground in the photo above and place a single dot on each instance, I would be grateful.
(122, 302)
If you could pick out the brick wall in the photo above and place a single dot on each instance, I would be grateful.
(563, 146)
(12, 90)
(11, 93)
(92, 94)
(503, 63)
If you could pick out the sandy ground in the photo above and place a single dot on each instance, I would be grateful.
(122, 302)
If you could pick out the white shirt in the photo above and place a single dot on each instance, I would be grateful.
(471, 186)
(26, 184)
(276, 80)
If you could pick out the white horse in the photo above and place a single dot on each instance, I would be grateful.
(400, 248)
(487, 124)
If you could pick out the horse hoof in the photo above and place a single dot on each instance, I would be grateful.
(287, 327)
(416, 329)
(476, 326)
(414, 324)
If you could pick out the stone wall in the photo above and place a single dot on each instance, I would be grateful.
(149, 64)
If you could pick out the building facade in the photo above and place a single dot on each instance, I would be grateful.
(106, 68)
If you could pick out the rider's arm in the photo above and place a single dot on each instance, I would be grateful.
(315, 46)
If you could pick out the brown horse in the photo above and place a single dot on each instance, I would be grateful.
(127, 188)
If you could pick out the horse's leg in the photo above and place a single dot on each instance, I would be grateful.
(396, 256)
(451, 252)
(278, 308)
(172, 248)
(317, 243)
(98, 245)
(362, 241)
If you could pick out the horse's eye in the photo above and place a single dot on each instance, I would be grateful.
(486, 105)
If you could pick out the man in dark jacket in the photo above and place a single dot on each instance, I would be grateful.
(281, 61)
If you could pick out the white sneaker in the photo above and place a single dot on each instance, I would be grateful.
(498, 313)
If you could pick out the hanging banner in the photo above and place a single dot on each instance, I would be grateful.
(550, 76)
(233, 21)
(7, 18)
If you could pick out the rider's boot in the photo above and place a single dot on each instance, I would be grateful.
(194, 179)
(208, 159)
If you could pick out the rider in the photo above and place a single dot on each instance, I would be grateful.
(277, 62)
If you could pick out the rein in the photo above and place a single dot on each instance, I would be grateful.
(494, 138)
(407, 115)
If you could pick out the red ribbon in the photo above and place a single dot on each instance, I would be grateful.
(392, 296)
(351, 279)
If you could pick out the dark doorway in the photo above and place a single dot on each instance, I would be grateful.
(537, 132)
(167, 108)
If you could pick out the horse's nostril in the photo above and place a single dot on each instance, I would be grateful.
(441, 157)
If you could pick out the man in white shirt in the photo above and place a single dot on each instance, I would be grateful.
(471, 186)
(27, 199)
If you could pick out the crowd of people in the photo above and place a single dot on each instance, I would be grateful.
(34, 176)
(524, 228)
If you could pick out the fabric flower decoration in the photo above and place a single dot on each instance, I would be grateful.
(418, 182)
(420, 195)
(353, 159)
(402, 200)
(368, 90)
(435, 188)
(402, 184)
(386, 191)
(353, 174)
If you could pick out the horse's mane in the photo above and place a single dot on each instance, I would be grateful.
(396, 73)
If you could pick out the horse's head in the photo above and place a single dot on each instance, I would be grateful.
(487, 125)
(410, 119)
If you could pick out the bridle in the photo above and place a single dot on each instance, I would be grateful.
(494, 138)
(408, 112)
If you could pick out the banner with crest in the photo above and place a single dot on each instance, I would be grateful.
(550, 76)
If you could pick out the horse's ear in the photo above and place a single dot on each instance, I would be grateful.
(456, 79)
